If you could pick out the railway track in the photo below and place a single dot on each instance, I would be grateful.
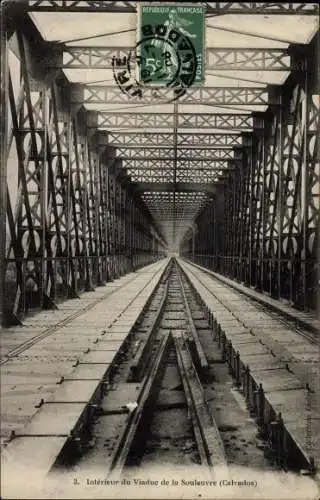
(160, 406)
(307, 331)
(282, 320)
(167, 391)
(53, 329)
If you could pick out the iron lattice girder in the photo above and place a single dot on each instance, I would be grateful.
(168, 153)
(167, 139)
(183, 187)
(212, 8)
(225, 121)
(168, 176)
(182, 170)
(160, 173)
(187, 163)
(260, 59)
(226, 96)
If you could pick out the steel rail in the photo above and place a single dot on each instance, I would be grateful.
(142, 356)
(310, 333)
(210, 445)
(125, 441)
(30, 343)
(272, 346)
(199, 355)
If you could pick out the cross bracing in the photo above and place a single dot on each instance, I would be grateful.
(244, 96)
(223, 121)
(176, 187)
(167, 175)
(185, 203)
(217, 59)
(165, 139)
(94, 180)
(213, 8)
(183, 153)
(186, 164)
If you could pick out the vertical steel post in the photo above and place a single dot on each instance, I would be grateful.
(125, 228)
(304, 193)
(97, 226)
(263, 213)
(130, 231)
(70, 264)
(250, 210)
(44, 199)
(118, 204)
(175, 161)
(3, 165)
(280, 192)
(193, 241)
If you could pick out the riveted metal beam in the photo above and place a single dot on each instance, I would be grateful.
(223, 121)
(217, 59)
(186, 163)
(212, 8)
(183, 153)
(178, 187)
(215, 96)
(150, 140)
(186, 171)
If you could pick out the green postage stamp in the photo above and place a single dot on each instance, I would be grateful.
(171, 42)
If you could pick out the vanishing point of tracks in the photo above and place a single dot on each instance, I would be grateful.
(170, 399)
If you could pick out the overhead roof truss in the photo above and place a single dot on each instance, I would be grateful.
(226, 96)
(223, 121)
(186, 164)
(212, 8)
(216, 59)
(148, 140)
(176, 181)
(167, 153)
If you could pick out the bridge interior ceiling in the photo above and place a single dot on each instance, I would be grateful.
(87, 165)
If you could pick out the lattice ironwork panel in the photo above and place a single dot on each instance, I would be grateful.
(272, 170)
(154, 140)
(151, 164)
(293, 143)
(58, 131)
(313, 175)
(187, 171)
(257, 203)
(26, 207)
(271, 203)
(223, 121)
(213, 8)
(215, 58)
(226, 96)
(165, 153)
(165, 176)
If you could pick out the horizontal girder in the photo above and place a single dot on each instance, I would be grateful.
(216, 59)
(185, 171)
(225, 121)
(166, 139)
(187, 163)
(77, 212)
(212, 8)
(176, 187)
(181, 176)
(218, 96)
(168, 153)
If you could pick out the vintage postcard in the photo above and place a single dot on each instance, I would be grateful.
(159, 250)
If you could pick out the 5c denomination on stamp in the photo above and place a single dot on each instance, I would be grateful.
(167, 59)
(162, 58)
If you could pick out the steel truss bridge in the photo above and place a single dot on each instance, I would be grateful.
(96, 183)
